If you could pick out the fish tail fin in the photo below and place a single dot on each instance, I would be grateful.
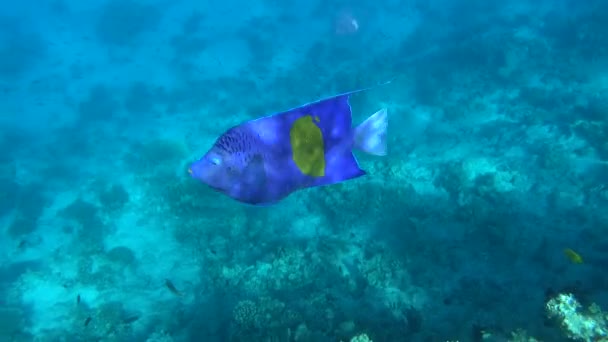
(370, 135)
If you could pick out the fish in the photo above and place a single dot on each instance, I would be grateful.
(87, 321)
(130, 319)
(172, 288)
(262, 161)
(573, 256)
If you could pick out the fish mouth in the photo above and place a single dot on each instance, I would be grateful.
(215, 188)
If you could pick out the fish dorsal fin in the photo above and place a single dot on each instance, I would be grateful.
(347, 94)
(359, 90)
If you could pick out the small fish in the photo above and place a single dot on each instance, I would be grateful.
(87, 321)
(78, 299)
(262, 161)
(573, 256)
(172, 288)
(130, 319)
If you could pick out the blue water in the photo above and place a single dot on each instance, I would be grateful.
(497, 167)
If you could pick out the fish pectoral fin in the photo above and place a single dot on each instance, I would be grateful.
(254, 174)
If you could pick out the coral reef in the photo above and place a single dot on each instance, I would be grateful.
(497, 165)
(590, 324)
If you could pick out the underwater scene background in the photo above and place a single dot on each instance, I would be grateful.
(487, 221)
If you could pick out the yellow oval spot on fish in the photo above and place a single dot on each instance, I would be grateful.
(307, 146)
(573, 256)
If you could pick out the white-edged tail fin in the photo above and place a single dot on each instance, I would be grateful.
(370, 136)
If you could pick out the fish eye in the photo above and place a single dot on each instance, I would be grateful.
(215, 160)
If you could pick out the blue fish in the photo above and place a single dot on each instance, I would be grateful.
(262, 161)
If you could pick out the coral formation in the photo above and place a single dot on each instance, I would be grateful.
(496, 166)
(590, 324)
